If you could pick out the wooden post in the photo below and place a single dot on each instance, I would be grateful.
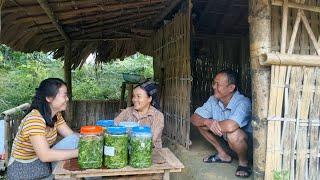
(129, 100)
(68, 79)
(67, 66)
(123, 91)
(260, 42)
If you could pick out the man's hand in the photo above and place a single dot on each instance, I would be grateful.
(214, 126)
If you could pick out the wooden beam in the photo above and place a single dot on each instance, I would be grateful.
(45, 6)
(297, 6)
(167, 10)
(289, 59)
(284, 26)
(260, 42)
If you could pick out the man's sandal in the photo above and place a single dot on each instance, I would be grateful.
(214, 158)
(245, 169)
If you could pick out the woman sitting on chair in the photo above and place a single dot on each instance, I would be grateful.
(31, 151)
(145, 111)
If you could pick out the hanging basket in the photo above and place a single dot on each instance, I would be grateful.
(132, 78)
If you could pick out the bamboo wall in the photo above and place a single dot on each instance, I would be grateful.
(212, 54)
(293, 115)
(172, 69)
(87, 112)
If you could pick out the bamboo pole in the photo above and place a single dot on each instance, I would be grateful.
(289, 59)
(297, 6)
(294, 32)
(303, 138)
(310, 32)
(14, 110)
(260, 41)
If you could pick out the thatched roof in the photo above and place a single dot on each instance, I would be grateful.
(92, 25)
(109, 28)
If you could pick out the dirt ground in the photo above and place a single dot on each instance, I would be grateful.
(195, 169)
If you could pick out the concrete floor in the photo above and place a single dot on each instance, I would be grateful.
(195, 169)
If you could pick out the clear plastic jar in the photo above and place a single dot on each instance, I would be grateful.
(141, 147)
(129, 125)
(90, 147)
(104, 123)
(116, 147)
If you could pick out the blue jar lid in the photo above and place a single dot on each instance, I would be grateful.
(105, 122)
(129, 124)
(116, 130)
(141, 129)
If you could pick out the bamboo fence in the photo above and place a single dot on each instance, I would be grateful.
(87, 112)
(293, 116)
(172, 69)
(12, 118)
(213, 54)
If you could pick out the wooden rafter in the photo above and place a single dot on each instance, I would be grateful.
(45, 6)
(163, 14)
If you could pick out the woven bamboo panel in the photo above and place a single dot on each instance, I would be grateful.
(293, 126)
(294, 114)
(213, 54)
(172, 69)
(303, 44)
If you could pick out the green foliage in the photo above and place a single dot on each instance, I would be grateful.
(21, 73)
(116, 151)
(90, 152)
(281, 175)
(141, 152)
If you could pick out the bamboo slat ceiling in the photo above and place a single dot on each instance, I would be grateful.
(45, 25)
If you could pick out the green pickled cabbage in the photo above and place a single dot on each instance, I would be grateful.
(115, 151)
(141, 152)
(90, 152)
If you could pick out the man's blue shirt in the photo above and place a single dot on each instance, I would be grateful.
(238, 110)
